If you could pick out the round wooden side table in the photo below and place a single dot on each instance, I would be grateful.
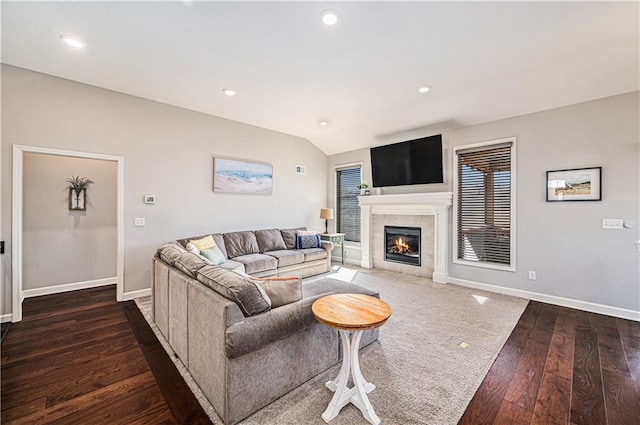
(351, 314)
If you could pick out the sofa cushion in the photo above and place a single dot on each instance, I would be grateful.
(189, 263)
(287, 257)
(281, 290)
(240, 243)
(269, 240)
(247, 294)
(233, 265)
(257, 262)
(312, 254)
(327, 285)
(170, 252)
(289, 236)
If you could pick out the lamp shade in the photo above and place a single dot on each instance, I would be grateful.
(326, 213)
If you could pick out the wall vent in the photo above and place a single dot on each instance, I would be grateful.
(301, 169)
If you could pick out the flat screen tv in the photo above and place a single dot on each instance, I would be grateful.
(416, 161)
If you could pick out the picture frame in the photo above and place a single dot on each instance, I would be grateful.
(240, 176)
(77, 202)
(575, 184)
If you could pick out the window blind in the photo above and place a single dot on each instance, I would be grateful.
(348, 216)
(484, 205)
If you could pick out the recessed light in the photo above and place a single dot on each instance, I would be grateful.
(73, 42)
(424, 89)
(324, 123)
(229, 92)
(329, 17)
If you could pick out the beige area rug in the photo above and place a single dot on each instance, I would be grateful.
(422, 374)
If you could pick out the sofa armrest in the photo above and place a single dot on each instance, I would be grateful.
(328, 246)
(257, 331)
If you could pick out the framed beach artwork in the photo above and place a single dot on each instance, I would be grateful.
(577, 184)
(242, 176)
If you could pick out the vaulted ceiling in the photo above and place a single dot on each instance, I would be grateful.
(483, 61)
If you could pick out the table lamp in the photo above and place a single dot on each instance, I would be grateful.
(326, 214)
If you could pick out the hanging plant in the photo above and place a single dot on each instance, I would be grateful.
(78, 184)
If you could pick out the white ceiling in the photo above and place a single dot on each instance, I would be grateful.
(484, 61)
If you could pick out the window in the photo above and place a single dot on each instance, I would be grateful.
(484, 216)
(348, 211)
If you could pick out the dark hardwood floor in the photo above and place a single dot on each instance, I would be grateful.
(81, 357)
(562, 366)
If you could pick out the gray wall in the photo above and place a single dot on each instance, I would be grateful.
(167, 152)
(563, 242)
(63, 246)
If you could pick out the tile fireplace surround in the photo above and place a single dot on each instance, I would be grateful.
(429, 211)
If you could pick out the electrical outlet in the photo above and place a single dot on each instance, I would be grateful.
(532, 275)
(139, 222)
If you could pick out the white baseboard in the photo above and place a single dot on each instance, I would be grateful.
(551, 299)
(6, 317)
(28, 293)
(136, 294)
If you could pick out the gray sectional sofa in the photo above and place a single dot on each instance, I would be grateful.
(270, 252)
(243, 348)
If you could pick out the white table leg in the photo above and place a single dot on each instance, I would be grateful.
(358, 393)
(344, 370)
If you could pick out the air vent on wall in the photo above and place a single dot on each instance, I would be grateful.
(301, 169)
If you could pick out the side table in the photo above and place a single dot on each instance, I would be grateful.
(336, 238)
(351, 314)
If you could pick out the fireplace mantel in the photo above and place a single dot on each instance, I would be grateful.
(436, 204)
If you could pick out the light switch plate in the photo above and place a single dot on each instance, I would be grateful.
(138, 222)
(612, 223)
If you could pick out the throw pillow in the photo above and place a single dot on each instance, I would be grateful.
(204, 243)
(192, 248)
(214, 255)
(281, 290)
(308, 241)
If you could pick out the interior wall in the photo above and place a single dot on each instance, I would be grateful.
(563, 242)
(168, 152)
(63, 246)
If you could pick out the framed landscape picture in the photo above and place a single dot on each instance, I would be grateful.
(242, 176)
(577, 184)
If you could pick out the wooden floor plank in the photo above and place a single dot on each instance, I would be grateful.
(560, 357)
(587, 400)
(510, 414)
(523, 389)
(553, 406)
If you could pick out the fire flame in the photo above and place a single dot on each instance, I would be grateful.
(402, 247)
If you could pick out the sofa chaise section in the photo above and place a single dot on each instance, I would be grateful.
(242, 363)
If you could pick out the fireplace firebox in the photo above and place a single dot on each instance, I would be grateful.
(402, 244)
